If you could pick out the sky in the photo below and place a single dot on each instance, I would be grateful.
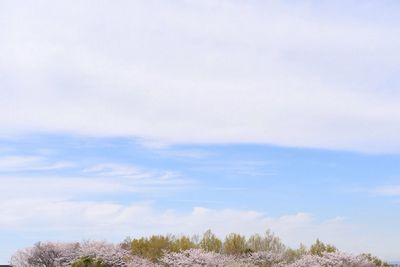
(133, 118)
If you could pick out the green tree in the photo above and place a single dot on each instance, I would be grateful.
(152, 248)
(210, 242)
(318, 248)
(88, 262)
(375, 260)
(127, 243)
(234, 244)
(268, 242)
(182, 243)
(291, 255)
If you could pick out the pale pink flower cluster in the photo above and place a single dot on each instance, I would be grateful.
(63, 254)
(135, 261)
(336, 259)
(262, 258)
(196, 258)
(112, 255)
(46, 254)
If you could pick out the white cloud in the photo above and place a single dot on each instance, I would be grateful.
(167, 152)
(18, 163)
(387, 190)
(40, 214)
(69, 220)
(27, 176)
(244, 168)
(91, 185)
(112, 169)
(200, 71)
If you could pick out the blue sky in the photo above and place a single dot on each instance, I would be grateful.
(63, 187)
(142, 117)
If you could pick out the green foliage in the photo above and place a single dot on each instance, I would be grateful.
(126, 244)
(318, 248)
(182, 243)
(151, 248)
(156, 246)
(291, 255)
(375, 260)
(235, 244)
(210, 242)
(88, 262)
(269, 242)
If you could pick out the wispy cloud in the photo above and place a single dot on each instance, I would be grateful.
(137, 175)
(112, 169)
(387, 190)
(183, 153)
(87, 186)
(243, 168)
(31, 163)
(38, 175)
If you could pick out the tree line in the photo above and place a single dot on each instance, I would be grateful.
(266, 250)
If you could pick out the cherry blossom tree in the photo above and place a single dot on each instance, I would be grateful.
(262, 258)
(104, 254)
(64, 254)
(335, 259)
(196, 258)
(45, 255)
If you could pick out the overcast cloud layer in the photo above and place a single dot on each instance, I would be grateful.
(294, 74)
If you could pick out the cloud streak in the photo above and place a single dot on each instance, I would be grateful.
(19, 163)
(387, 190)
(81, 186)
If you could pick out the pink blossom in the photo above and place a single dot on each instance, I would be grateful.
(196, 258)
(336, 259)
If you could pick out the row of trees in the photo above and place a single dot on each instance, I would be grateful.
(166, 250)
(155, 246)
